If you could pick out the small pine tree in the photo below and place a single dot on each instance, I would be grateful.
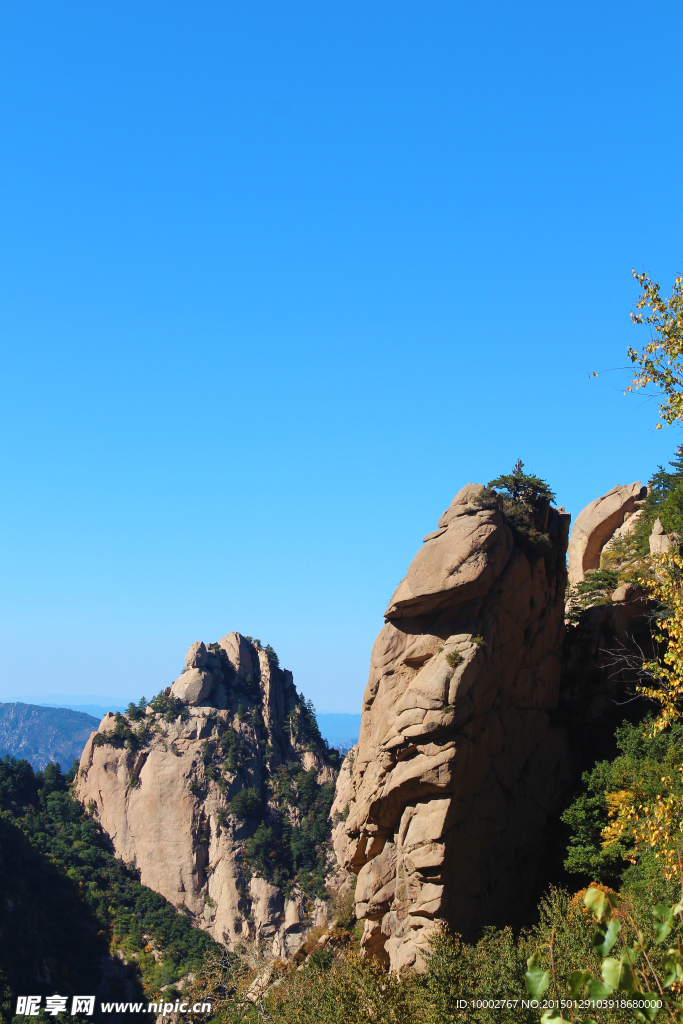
(521, 486)
(662, 502)
(72, 772)
(135, 712)
(53, 779)
(272, 656)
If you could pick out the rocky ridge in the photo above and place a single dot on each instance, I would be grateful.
(218, 792)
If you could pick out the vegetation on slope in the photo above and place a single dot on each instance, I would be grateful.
(285, 806)
(70, 902)
(484, 982)
(524, 499)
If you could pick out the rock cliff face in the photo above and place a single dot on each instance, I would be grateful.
(205, 791)
(458, 764)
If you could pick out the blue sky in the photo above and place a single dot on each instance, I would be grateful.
(277, 279)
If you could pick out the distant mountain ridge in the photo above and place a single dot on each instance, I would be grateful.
(43, 734)
(340, 731)
(96, 710)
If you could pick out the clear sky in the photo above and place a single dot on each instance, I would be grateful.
(278, 278)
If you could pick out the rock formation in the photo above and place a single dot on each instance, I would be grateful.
(660, 542)
(609, 633)
(222, 753)
(597, 524)
(459, 764)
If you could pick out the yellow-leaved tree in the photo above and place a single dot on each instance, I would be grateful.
(661, 359)
(666, 673)
(656, 824)
(652, 824)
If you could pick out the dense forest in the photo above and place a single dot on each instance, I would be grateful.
(72, 911)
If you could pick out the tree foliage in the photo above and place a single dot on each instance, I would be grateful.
(72, 902)
(637, 980)
(521, 486)
(666, 686)
(641, 762)
(660, 362)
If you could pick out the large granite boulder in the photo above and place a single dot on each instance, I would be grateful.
(597, 524)
(459, 763)
(200, 677)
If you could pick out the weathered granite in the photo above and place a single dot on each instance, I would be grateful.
(458, 764)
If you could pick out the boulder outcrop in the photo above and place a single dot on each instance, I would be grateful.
(596, 525)
(222, 753)
(660, 542)
(459, 762)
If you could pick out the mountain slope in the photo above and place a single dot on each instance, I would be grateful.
(39, 734)
(219, 792)
(73, 918)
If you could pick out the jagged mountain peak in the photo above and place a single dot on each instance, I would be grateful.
(219, 793)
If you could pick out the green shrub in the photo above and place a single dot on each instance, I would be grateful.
(640, 766)
(345, 990)
(671, 514)
(519, 486)
(169, 707)
(595, 589)
(491, 969)
(136, 712)
(523, 496)
(252, 688)
(67, 900)
(260, 848)
(661, 486)
(121, 735)
(246, 803)
(272, 656)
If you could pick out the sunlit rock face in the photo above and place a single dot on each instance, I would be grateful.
(616, 511)
(165, 801)
(459, 762)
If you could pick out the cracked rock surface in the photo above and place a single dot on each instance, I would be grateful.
(165, 798)
(459, 762)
